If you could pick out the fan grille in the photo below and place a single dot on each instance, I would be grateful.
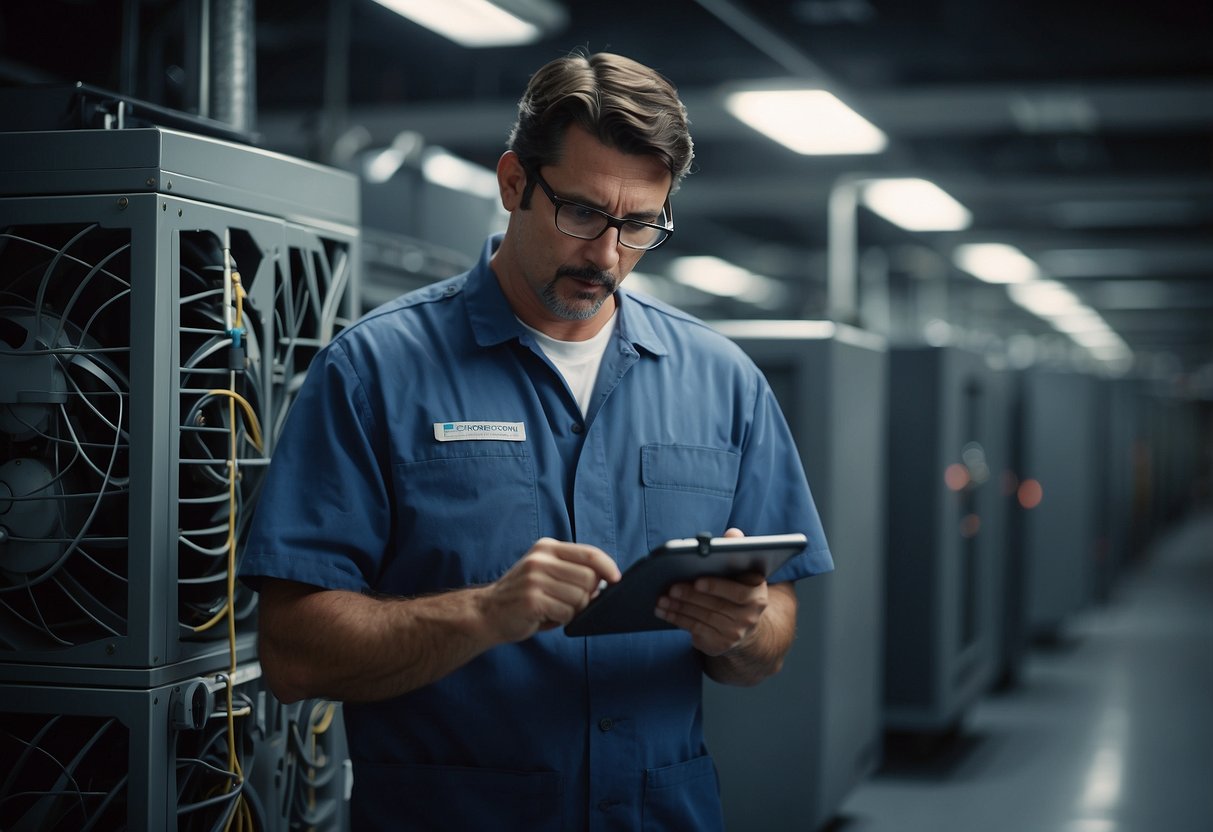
(65, 428)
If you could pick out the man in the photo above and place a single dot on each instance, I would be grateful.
(467, 464)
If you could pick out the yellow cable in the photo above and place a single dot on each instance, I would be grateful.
(219, 616)
(233, 762)
(317, 730)
(239, 293)
(329, 713)
(254, 426)
(242, 810)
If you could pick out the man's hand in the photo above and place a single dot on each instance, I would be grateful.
(743, 626)
(721, 614)
(552, 582)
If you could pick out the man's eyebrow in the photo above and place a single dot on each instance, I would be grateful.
(645, 216)
(639, 216)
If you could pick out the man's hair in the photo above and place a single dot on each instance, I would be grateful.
(622, 103)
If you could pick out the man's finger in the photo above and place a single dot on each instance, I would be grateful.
(599, 561)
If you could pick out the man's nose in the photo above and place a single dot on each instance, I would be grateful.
(604, 251)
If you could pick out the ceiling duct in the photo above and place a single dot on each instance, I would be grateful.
(230, 74)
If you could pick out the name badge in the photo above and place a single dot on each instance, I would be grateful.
(463, 431)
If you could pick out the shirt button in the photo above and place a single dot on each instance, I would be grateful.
(605, 805)
(606, 724)
(578, 427)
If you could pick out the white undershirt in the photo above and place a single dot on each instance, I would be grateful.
(577, 361)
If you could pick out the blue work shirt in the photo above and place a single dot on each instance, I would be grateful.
(683, 435)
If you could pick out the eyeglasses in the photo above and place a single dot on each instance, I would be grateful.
(586, 223)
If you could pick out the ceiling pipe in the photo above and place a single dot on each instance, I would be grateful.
(842, 251)
(229, 52)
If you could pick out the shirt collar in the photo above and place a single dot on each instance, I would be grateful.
(489, 313)
(635, 325)
(493, 322)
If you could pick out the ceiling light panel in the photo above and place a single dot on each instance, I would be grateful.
(995, 263)
(471, 23)
(916, 205)
(724, 279)
(811, 122)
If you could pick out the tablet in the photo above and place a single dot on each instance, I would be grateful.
(627, 605)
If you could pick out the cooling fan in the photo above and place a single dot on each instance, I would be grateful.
(76, 759)
(215, 356)
(311, 304)
(66, 557)
(63, 772)
(64, 429)
(297, 316)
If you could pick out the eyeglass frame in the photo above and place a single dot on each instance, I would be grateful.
(534, 176)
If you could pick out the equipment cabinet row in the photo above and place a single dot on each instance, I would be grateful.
(970, 511)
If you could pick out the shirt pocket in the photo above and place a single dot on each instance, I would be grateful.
(443, 798)
(682, 796)
(466, 515)
(687, 489)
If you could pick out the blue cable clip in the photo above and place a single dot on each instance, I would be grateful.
(235, 356)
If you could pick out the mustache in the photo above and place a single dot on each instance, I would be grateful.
(589, 275)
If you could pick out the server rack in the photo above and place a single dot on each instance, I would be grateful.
(1177, 431)
(1062, 458)
(1121, 514)
(946, 555)
(116, 448)
(161, 296)
(791, 749)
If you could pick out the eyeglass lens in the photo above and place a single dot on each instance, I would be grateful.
(588, 223)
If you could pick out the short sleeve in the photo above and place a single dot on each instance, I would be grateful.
(323, 516)
(773, 494)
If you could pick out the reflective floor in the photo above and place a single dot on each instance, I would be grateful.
(1109, 731)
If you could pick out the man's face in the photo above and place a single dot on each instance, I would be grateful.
(557, 283)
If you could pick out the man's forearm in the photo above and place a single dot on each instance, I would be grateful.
(762, 655)
(353, 647)
(349, 646)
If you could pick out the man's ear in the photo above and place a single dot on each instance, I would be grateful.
(511, 180)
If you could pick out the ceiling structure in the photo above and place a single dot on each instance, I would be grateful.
(1081, 134)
